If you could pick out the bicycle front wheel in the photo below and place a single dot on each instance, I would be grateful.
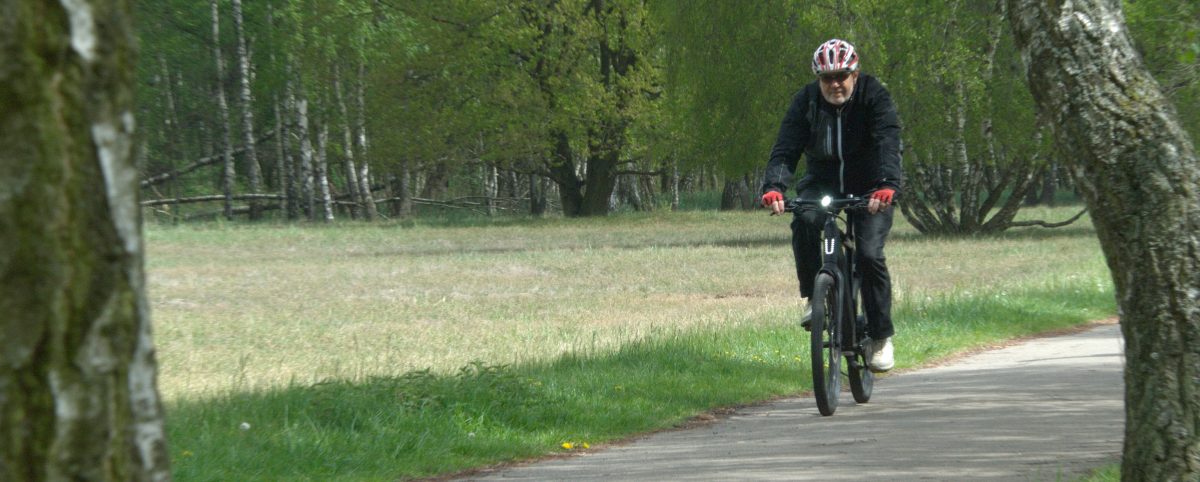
(825, 343)
(862, 379)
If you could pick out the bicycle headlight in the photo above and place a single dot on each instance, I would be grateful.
(826, 201)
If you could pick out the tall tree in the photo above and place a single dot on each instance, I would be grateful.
(227, 177)
(362, 141)
(724, 69)
(1139, 174)
(247, 100)
(78, 389)
(347, 146)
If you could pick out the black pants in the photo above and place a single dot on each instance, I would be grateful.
(870, 233)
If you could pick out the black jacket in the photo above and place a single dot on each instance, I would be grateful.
(853, 149)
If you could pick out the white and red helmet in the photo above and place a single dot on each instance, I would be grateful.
(835, 56)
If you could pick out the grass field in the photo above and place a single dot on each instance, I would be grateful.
(371, 352)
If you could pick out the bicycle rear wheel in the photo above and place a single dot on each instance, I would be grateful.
(825, 343)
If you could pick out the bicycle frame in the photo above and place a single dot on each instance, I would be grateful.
(840, 261)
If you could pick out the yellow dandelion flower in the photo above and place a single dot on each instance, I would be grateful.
(567, 445)
(586, 446)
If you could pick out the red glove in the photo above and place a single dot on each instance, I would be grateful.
(884, 195)
(771, 197)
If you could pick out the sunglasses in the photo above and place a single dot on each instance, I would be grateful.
(836, 77)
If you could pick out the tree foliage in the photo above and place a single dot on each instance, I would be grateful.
(460, 95)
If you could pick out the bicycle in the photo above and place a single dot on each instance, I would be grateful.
(838, 328)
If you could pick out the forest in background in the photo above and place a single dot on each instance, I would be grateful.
(377, 109)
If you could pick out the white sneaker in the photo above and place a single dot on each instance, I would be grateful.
(881, 359)
(806, 320)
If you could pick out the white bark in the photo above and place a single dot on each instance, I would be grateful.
(223, 112)
(364, 176)
(323, 173)
(281, 167)
(307, 192)
(292, 172)
(247, 99)
(674, 184)
(1139, 173)
(78, 379)
(352, 186)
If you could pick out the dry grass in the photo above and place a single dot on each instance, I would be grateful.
(260, 306)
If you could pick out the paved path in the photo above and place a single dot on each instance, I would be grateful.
(1045, 410)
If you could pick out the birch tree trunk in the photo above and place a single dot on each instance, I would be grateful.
(170, 126)
(78, 378)
(347, 147)
(307, 192)
(283, 168)
(364, 176)
(490, 187)
(405, 191)
(537, 196)
(247, 98)
(674, 184)
(323, 173)
(223, 111)
(1137, 169)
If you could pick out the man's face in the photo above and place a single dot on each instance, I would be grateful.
(837, 87)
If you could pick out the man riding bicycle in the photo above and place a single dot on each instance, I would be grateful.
(846, 126)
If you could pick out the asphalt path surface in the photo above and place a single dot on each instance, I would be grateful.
(1046, 409)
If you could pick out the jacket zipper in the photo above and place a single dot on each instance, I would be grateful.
(841, 160)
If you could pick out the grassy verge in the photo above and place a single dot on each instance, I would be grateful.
(1108, 473)
(257, 307)
(426, 423)
(340, 346)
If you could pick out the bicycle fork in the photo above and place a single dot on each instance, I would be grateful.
(837, 256)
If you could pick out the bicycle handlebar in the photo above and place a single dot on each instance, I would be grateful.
(828, 204)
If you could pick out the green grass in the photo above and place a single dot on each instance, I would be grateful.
(1108, 473)
(423, 423)
(376, 352)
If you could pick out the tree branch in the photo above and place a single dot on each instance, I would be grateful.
(208, 198)
(1021, 224)
(640, 173)
(203, 161)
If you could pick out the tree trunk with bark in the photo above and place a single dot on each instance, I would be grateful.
(283, 166)
(491, 187)
(563, 172)
(404, 191)
(307, 187)
(170, 126)
(227, 176)
(1138, 172)
(674, 184)
(737, 195)
(347, 147)
(364, 174)
(628, 193)
(247, 100)
(78, 378)
(322, 173)
(537, 196)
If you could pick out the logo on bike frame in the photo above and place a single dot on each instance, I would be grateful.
(830, 243)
